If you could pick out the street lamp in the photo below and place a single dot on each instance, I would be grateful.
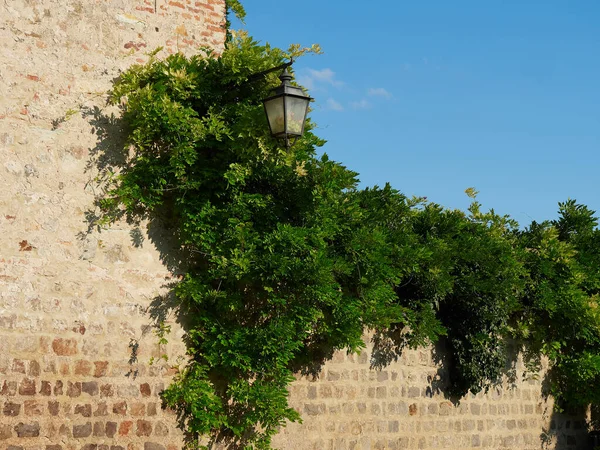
(286, 110)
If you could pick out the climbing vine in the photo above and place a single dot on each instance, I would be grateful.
(288, 260)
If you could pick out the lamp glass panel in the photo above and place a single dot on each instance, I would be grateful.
(296, 113)
(275, 115)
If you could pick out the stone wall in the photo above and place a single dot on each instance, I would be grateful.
(75, 320)
(72, 304)
(353, 407)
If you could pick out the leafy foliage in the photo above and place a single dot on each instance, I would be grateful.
(290, 261)
(560, 311)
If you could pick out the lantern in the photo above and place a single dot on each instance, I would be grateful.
(286, 110)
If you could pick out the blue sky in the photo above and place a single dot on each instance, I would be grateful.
(437, 96)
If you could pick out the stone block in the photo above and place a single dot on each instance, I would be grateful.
(27, 386)
(27, 430)
(90, 387)
(143, 428)
(120, 408)
(64, 347)
(82, 431)
(12, 409)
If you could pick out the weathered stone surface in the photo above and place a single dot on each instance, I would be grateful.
(90, 387)
(110, 429)
(12, 409)
(73, 389)
(120, 408)
(143, 428)
(5, 432)
(84, 410)
(82, 431)
(33, 408)
(53, 408)
(27, 430)
(64, 347)
(153, 446)
(27, 387)
(46, 388)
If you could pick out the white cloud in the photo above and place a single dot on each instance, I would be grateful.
(332, 104)
(306, 82)
(363, 104)
(379, 92)
(319, 79)
(326, 76)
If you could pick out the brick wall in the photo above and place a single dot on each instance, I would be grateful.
(353, 407)
(75, 328)
(72, 304)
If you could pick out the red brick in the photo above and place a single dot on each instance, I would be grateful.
(145, 8)
(79, 328)
(53, 408)
(27, 387)
(64, 347)
(412, 409)
(120, 408)
(100, 368)
(145, 390)
(65, 369)
(177, 4)
(45, 348)
(18, 366)
(9, 388)
(33, 408)
(125, 427)
(205, 6)
(45, 389)
(83, 367)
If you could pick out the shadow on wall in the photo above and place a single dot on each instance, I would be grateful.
(110, 156)
(567, 430)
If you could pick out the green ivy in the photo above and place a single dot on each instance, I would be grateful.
(289, 260)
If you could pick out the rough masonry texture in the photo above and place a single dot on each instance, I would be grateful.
(75, 318)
